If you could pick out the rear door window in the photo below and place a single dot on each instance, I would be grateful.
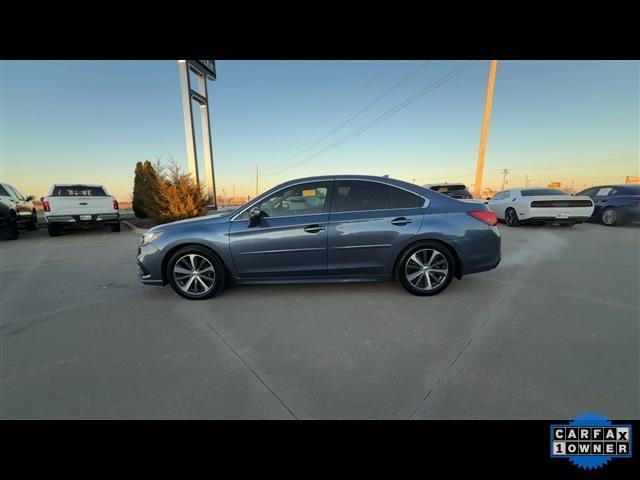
(361, 195)
(3, 192)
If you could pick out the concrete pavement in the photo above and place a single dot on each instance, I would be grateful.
(552, 332)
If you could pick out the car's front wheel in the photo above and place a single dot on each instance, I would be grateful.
(425, 269)
(195, 273)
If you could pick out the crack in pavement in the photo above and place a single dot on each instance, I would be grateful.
(245, 363)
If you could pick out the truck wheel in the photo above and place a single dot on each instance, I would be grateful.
(33, 223)
(511, 218)
(115, 227)
(54, 230)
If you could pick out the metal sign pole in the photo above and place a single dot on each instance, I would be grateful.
(204, 70)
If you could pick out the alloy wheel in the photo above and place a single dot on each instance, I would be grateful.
(427, 269)
(194, 274)
(609, 217)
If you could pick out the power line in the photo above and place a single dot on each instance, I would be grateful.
(504, 177)
(442, 80)
(360, 112)
(351, 97)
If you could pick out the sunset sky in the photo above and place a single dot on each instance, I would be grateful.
(92, 121)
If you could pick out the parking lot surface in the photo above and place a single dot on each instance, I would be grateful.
(551, 333)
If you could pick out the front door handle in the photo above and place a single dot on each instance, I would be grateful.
(401, 221)
(314, 228)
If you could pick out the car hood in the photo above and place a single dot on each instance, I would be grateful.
(208, 219)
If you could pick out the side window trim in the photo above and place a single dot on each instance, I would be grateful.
(237, 216)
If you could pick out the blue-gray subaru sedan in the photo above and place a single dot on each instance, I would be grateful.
(339, 228)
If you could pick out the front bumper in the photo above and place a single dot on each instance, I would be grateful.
(77, 221)
(149, 265)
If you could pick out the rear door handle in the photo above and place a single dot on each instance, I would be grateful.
(401, 221)
(314, 228)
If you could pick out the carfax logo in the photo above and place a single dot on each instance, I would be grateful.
(590, 441)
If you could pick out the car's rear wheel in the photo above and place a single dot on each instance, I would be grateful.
(54, 230)
(610, 217)
(32, 224)
(195, 273)
(511, 218)
(426, 269)
(12, 228)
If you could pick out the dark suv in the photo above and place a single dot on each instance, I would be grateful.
(15, 211)
(454, 190)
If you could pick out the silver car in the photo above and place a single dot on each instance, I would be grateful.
(342, 228)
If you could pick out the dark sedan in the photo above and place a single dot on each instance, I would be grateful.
(615, 204)
(326, 229)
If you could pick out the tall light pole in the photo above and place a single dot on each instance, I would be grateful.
(485, 127)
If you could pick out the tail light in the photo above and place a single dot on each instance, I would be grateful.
(46, 206)
(485, 216)
(115, 205)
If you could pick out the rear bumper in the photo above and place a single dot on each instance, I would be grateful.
(75, 220)
(553, 220)
(479, 251)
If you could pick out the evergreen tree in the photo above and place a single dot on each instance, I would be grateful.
(138, 188)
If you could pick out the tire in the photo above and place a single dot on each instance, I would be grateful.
(511, 218)
(33, 223)
(12, 228)
(115, 227)
(414, 275)
(198, 259)
(54, 230)
(610, 217)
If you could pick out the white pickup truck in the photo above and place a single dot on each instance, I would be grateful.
(79, 206)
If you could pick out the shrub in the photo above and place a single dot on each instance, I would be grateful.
(145, 201)
(180, 195)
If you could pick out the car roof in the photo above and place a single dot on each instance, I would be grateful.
(387, 180)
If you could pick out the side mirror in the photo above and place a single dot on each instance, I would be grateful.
(488, 198)
(31, 197)
(254, 217)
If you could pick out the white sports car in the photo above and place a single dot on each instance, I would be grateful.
(539, 206)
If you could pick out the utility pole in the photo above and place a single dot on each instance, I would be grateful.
(504, 177)
(485, 127)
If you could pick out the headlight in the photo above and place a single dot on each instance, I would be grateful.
(149, 237)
